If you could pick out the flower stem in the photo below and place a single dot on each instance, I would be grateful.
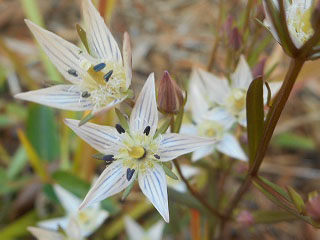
(212, 210)
(270, 124)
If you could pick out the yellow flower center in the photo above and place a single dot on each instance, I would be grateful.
(137, 152)
(236, 100)
(299, 22)
(83, 217)
(211, 129)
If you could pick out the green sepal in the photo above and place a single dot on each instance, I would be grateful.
(127, 191)
(86, 119)
(169, 173)
(83, 37)
(163, 128)
(122, 119)
(297, 200)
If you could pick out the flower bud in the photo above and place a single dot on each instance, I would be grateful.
(259, 68)
(313, 206)
(245, 218)
(235, 39)
(170, 97)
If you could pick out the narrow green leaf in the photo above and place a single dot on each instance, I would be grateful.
(163, 128)
(297, 200)
(127, 191)
(122, 119)
(18, 162)
(293, 141)
(255, 116)
(42, 132)
(83, 37)
(169, 173)
(271, 216)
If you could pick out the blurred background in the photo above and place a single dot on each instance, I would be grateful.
(37, 149)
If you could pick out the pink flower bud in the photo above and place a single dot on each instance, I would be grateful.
(235, 39)
(259, 68)
(313, 207)
(170, 96)
(245, 218)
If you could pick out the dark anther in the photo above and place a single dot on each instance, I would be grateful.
(156, 156)
(73, 72)
(120, 129)
(108, 158)
(99, 67)
(108, 75)
(85, 94)
(147, 130)
(130, 173)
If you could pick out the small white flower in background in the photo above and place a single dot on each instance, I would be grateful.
(298, 16)
(134, 152)
(215, 123)
(73, 232)
(98, 81)
(136, 232)
(89, 219)
(208, 91)
(188, 172)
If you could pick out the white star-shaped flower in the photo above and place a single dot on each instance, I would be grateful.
(215, 123)
(207, 91)
(298, 16)
(73, 232)
(135, 152)
(136, 232)
(99, 80)
(88, 219)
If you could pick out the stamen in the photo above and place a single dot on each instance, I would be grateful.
(156, 156)
(120, 129)
(108, 75)
(147, 130)
(108, 158)
(73, 72)
(85, 94)
(130, 173)
(99, 67)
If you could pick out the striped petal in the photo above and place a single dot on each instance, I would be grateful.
(202, 152)
(230, 146)
(42, 234)
(65, 97)
(112, 181)
(173, 145)
(153, 184)
(145, 111)
(127, 58)
(64, 55)
(242, 76)
(133, 229)
(100, 39)
(69, 201)
(105, 139)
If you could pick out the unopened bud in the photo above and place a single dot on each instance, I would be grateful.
(313, 206)
(170, 97)
(315, 18)
(235, 39)
(258, 69)
(227, 26)
(245, 218)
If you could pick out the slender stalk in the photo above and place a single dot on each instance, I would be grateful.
(212, 210)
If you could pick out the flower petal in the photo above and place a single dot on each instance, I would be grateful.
(105, 139)
(145, 112)
(242, 76)
(153, 184)
(62, 96)
(112, 181)
(64, 55)
(133, 229)
(173, 145)
(230, 146)
(69, 201)
(96, 217)
(42, 234)
(127, 58)
(268, 21)
(73, 230)
(220, 115)
(106, 108)
(100, 39)
(156, 231)
(202, 152)
(55, 223)
(212, 87)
